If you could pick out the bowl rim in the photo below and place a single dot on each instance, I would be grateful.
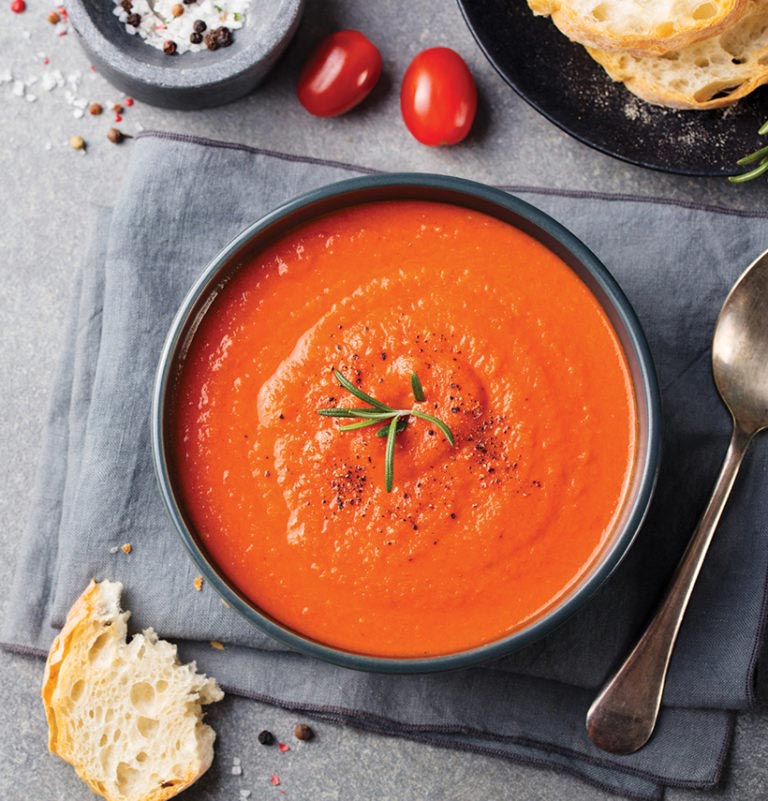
(215, 73)
(647, 394)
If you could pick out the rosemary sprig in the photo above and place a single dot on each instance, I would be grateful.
(376, 412)
(760, 156)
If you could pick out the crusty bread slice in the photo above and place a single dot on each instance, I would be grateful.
(126, 715)
(640, 26)
(707, 75)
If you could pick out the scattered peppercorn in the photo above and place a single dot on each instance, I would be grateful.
(188, 2)
(95, 109)
(195, 38)
(117, 108)
(134, 20)
(115, 135)
(177, 10)
(218, 37)
(77, 142)
(54, 18)
(266, 737)
(126, 547)
(303, 732)
(128, 101)
(169, 48)
(126, 5)
(198, 26)
(18, 6)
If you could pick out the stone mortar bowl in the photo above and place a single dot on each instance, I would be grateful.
(192, 80)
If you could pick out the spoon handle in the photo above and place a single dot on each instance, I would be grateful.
(623, 716)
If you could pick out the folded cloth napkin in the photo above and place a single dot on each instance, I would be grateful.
(182, 200)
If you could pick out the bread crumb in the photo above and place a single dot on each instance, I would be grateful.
(127, 548)
(217, 645)
(198, 582)
(114, 549)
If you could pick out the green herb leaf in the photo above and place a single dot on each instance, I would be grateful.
(238, 17)
(377, 412)
(761, 169)
(389, 456)
(361, 424)
(418, 390)
(402, 424)
(358, 393)
(760, 155)
(756, 156)
(439, 423)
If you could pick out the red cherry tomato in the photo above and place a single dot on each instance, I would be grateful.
(438, 98)
(339, 74)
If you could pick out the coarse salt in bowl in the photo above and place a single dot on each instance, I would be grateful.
(132, 57)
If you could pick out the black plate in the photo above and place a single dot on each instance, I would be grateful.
(559, 79)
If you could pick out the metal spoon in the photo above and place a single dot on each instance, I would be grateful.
(622, 718)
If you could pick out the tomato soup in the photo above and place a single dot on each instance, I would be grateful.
(475, 540)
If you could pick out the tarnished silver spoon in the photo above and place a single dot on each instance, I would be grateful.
(622, 718)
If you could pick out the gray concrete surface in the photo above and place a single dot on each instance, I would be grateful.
(45, 188)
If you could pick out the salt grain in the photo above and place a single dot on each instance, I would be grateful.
(158, 24)
(236, 770)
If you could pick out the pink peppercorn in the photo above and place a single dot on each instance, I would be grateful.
(17, 6)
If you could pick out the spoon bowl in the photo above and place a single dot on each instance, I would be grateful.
(740, 348)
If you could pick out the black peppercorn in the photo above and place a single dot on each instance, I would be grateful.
(126, 5)
(195, 38)
(303, 732)
(169, 48)
(266, 737)
(198, 26)
(218, 37)
(134, 20)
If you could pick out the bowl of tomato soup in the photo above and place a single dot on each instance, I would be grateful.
(406, 423)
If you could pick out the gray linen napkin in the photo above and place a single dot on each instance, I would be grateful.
(185, 198)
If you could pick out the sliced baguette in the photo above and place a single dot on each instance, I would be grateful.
(640, 26)
(711, 74)
(126, 715)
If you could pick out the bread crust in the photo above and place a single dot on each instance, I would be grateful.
(88, 619)
(733, 64)
(586, 30)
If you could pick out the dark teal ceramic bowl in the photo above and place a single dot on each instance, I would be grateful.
(474, 196)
